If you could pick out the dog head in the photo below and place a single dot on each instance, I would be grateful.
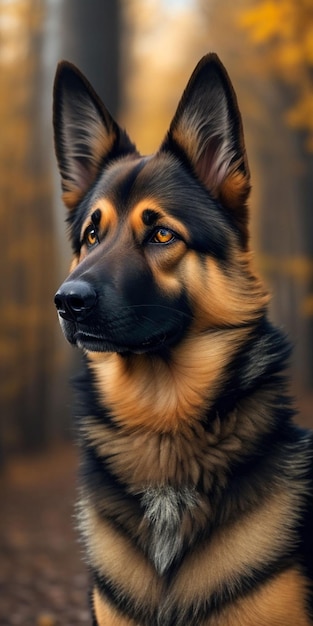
(161, 242)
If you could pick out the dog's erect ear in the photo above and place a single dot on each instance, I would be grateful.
(85, 133)
(207, 130)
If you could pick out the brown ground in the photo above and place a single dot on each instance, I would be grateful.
(43, 581)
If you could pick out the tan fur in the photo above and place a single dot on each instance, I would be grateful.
(138, 226)
(72, 196)
(223, 178)
(161, 396)
(215, 564)
(140, 458)
(235, 548)
(117, 559)
(100, 142)
(106, 615)
(165, 267)
(148, 391)
(279, 602)
(233, 194)
(108, 220)
(109, 217)
(74, 263)
(186, 137)
(234, 190)
(224, 299)
(212, 165)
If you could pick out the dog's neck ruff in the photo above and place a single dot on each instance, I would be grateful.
(163, 396)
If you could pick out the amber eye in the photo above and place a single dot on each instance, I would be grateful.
(163, 235)
(90, 236)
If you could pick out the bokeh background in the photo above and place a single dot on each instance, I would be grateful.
(138, 54)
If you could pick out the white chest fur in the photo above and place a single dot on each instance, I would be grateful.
(164, 510)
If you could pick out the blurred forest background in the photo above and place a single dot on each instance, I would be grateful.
(138, 54)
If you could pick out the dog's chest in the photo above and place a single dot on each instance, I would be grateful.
(166, 513)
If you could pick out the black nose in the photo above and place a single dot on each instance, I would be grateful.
(75, 299)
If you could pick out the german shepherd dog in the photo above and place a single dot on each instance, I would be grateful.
(196, 486)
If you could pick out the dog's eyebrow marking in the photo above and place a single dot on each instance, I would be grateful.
(102, 215)
(96, 217)
(150, 216)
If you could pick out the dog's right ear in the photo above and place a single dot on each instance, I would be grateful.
(207, 131)
(86, 135)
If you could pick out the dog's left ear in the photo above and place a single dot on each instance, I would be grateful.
(207, 131)
(86, 136)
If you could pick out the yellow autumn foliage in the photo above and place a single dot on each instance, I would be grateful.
(283, 31)
(268, 19)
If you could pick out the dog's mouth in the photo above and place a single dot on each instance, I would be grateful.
(94, 342)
